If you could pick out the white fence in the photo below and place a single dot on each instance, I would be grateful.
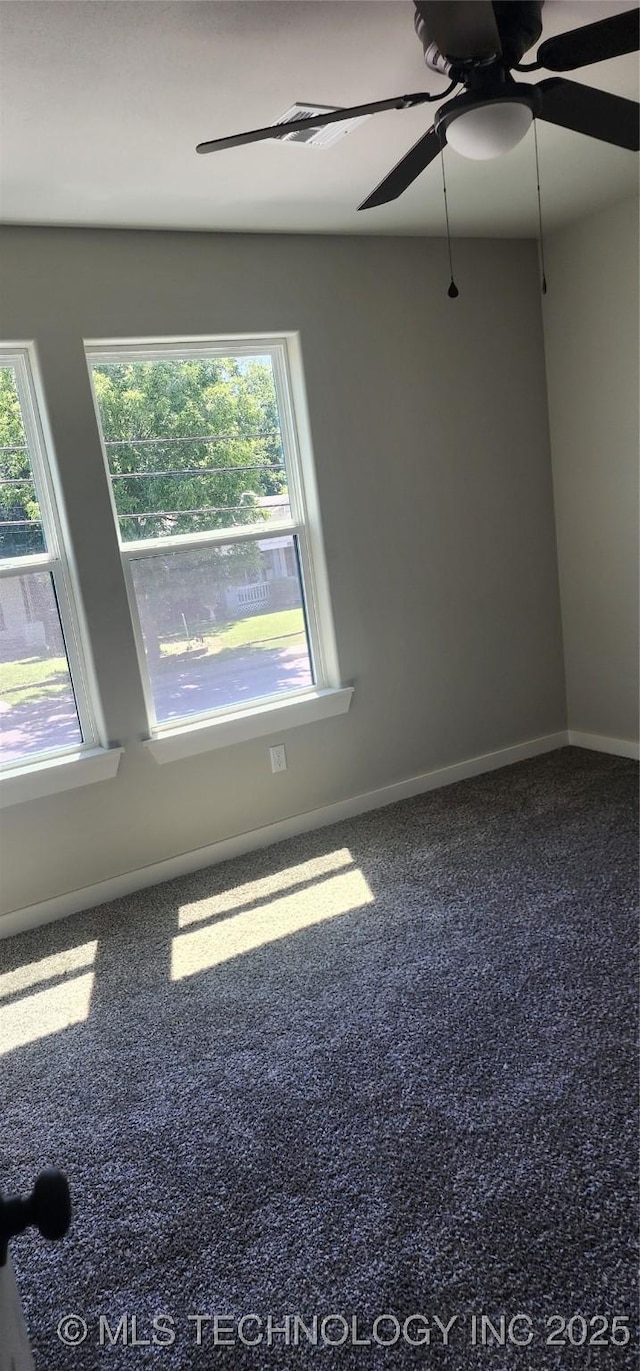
(257, 594)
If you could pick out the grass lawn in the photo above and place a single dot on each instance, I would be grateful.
(284, 628)
(33, 677)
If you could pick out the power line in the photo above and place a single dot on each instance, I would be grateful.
(203, 438)
(197, 471)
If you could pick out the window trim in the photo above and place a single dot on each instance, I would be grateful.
(64, 771)
(267, 718)
(327, 694)
(57, 561)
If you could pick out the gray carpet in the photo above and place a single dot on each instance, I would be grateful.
(397, 1075)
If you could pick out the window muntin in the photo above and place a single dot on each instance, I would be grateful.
(44, 704)
(201, 450)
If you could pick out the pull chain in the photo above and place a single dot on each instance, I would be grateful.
(453, 291)
(540, 238)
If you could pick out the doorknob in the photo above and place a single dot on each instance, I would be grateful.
(47, 1208)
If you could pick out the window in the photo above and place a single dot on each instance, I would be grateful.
(212, 508)
(44, 705)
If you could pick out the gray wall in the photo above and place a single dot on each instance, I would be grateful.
(429, 423)
(591, 343)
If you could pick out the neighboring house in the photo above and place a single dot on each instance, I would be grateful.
(189, 600)
(24, 618)
(275, 582)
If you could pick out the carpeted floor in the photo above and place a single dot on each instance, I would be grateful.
(384, 1068)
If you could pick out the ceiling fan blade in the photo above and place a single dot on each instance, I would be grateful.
(461, 29)
(594, 43)
(237, 140)
(590, 111)
(404, 173)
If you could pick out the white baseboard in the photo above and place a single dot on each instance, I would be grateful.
(619, 747)
(32, 916)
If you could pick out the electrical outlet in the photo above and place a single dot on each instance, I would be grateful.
(278, 758)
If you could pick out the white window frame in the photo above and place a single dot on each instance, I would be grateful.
(171, 740)
(75, 763)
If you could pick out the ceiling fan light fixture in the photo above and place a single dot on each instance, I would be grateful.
(490, 130)
(483, 126)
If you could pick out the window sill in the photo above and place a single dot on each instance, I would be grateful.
(192, 739)
(32, 782)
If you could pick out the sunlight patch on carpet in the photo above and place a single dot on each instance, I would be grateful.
(40, 1013)
(251, 892)
(45, 1012)
(319, 900)
(48, 968)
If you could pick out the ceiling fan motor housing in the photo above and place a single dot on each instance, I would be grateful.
(519, 25)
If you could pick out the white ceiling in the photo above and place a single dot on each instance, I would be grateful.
(103, 103)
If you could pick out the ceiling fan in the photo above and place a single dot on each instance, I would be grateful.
(478, 44)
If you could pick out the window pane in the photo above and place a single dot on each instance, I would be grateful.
(192, 444)
(37, 705)
(20, 525)
(222, 626)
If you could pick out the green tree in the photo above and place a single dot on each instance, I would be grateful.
(18, 501)
(191, 445)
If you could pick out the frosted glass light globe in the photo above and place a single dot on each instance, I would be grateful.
(490, 130)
